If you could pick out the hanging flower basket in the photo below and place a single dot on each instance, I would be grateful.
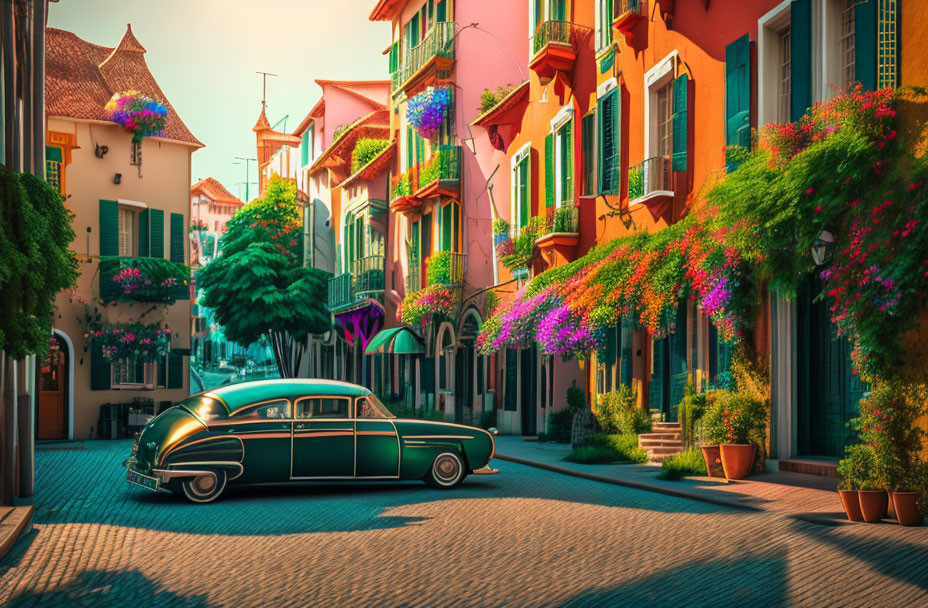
(419, 306)
(138, 114)
(144, 343)
(426, 111)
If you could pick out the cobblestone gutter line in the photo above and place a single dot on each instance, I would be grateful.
(630, 484)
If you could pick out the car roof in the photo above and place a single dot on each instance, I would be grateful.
(236, 396)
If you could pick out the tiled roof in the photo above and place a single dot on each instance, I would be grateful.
(374, 92)
(214, 190)
(385, 10)
(80, 77)
(375, 125)
(262, 124)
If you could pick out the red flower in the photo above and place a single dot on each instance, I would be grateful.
(810, 190)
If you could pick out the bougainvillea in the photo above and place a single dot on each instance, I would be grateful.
(138, 114)
(426, 111)
(418, 307)
(138, 342)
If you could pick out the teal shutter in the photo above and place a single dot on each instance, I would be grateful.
(100, 370)
(627, 327)
(680, 127)
(446, 227)
(175, 371)
(109, 228)
(410, 147)
(657, 381)
(609, 111)
(304, 148)
(394, 58)
(441, 11)
(420, 152)
(525, 204)
(587, 156)
(865, 40)
(156, 229)
(549, 170)
(162, 371)
(144, 241)
(177, 237)
(678, 368)
(738, 94)
(800, 49)
(567, 163)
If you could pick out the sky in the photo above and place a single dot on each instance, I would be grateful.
(204, 55)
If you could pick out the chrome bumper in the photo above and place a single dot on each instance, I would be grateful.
(486, 470)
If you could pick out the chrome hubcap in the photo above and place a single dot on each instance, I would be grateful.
(204, 484)
(447, 468)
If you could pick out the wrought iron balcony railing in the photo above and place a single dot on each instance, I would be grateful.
(414, 278)
(339, 291)
(368, 275)
(559, 32)
(444, 165)
(445, 268)
(564, 219)
(438, 42)
(653, 175)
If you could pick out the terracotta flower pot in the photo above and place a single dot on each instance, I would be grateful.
(737, 459)
(851, 501)
(872, 504)
(907, 508)
(713, 457)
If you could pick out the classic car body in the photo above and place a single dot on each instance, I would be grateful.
(297, 430)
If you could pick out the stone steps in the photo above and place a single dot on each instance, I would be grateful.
(665, 439)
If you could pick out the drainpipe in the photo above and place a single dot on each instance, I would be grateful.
(38, 86)
(10, 121)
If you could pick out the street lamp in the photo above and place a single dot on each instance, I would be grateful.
(823, 247)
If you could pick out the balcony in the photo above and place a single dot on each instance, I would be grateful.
(627, 14)
(414, 278)
(143, 279)
(440, 175)
(651, 180)
(431, 58)
(445, 268)
(558, 246)
(553, 48)
(365, 281)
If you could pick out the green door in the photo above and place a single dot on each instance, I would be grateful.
(377, 449)
(528, 365)
(657, 385)
(677, 364)
(323, 439)
(264, 429)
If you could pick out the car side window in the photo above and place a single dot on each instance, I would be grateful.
(270, 410)
(365, 408)
(322, 407)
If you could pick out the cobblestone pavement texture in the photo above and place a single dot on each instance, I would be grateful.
(525, 537)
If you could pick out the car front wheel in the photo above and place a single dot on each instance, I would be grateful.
(205, 488)
(447, 471)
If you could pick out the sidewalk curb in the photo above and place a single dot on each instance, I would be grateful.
(631, 484)
(21, 523)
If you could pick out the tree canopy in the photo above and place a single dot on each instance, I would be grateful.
(258, 286)
(36, 261)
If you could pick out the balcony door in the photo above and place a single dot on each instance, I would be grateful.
(425, 244)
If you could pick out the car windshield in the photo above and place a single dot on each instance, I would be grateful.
(204, 408)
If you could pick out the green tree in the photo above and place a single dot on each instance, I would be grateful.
(258, 286)
(36, 261)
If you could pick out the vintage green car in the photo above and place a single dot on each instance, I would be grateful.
(297, 430)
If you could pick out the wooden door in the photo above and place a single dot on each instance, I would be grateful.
(52, 396)
(528, 364)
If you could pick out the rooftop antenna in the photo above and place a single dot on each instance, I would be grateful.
(264, 76)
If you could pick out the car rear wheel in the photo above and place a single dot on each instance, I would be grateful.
(447, 471)
(204, 488)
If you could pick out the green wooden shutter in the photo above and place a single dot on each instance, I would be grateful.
(100, 370)
(446, 227)
(413, 252)
(549, 170)
(616, 162)
(567, 162)
(177, 237)
(800, 49)
(525, 203)
(865, 41)
(738, 94)
(626, 344)
(680, 128)
(144, 241)
(441, 11)
(656, 383)
(512, 360)
(587, 156)
(609, 111)
(410, 147)
(420, 152)
(394, 58)
(162, 372)
(175, 371)
(156, 229)
(109, 228)
(304, 148)
(678, 368)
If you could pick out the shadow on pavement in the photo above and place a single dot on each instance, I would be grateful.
(717, 583)
(104, 588)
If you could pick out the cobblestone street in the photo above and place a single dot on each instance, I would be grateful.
(526, 537)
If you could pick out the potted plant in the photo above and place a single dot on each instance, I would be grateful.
(909, 505)
(857, 466)
(711, 431)
(740, 418)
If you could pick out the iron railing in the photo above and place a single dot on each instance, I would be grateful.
(653, 175)
(339, 291)
(564, 219)
(444, 165)
(368, 275)
(559, 32)
(438, 41)
(414, 278)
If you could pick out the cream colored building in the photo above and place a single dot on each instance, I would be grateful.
(130, 203)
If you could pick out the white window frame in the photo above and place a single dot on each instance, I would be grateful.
(564, 116)
(148, 382)
(769, 29)
(602, 27)
(126, 213)
(831, 70)
(521, 154)
(660, 74)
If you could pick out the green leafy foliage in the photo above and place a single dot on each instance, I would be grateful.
(365, 149)
(606, 448)
(618, 412)
(160, 280)
(688, 463)
(490, 99)
(858, 468)
(258, 286)
(36, 261)
(734, 417)
(438, 271)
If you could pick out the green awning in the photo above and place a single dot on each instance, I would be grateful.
(395, 341)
